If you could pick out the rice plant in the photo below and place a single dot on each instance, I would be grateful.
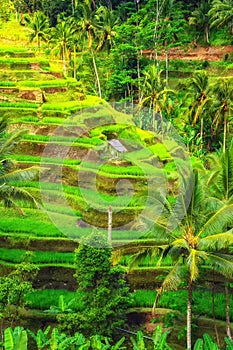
(22, 105)
(7, 84)
(49, 298)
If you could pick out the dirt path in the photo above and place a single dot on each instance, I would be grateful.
(197, 53)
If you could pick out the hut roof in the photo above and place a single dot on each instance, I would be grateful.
(117, 145)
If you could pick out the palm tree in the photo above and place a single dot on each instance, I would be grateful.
(38, 26)
(154, 92)
(106, 21)
(198, 239)
(88, 26)
(11, 195)
(200, 19)
(198, 99)
(63, 35)
(222, 108)
(220, 183)
(221, 14)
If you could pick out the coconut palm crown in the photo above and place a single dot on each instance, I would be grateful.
(200, 240)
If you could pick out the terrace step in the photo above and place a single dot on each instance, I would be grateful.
(36, 244)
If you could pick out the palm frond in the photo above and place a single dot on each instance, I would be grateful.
(142, 254)
(193, 262)
(174, 278)
(19, 175)
(221, 263)
(179, 210)
(171, 281)
(7, 144)
(181, 243)
(218, 222)
(17, 194)
(216, 242)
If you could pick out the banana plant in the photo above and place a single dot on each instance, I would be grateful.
(100, 343)
(59, 341)
(138, 343)
(41, 338)
(63, 306)
(199, 345)
(160, 339)
(15, 339)
(228, 343)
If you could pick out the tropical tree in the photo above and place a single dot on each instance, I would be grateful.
(197, 101)
(106, 20)
(200, 19)
(104, 291)
(38, 27)
(13, 290)
(222, 109)
(154, 92)
(87, 24)
(63, 37)
(200, 238)
(10, 194)
(220, 182)
(221, 14)
(6, 8)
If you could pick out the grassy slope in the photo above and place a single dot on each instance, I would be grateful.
(37, 225)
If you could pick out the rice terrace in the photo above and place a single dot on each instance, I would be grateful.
(116, 175)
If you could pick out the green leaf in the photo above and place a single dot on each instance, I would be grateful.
(198, 345)
(8, 339)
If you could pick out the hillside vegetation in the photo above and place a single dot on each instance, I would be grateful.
(118, 107)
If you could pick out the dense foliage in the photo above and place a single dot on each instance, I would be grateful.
(120, 51)
(105, 292)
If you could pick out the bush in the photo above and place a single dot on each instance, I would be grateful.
(105, 293)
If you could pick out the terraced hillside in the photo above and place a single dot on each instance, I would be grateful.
(67, 136)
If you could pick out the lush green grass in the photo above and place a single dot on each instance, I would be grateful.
(49, 298)
(177, 300)
(88, 196)
(22, 105)
(143, 298)
(47, 160)
(7, 84)
(43, 84)
(6, 50)
(36, 223)
(73, 140)
(148, 262)
(25, 74)
(12, 62)
(37, 257)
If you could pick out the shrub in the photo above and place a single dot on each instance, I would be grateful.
(105, 294)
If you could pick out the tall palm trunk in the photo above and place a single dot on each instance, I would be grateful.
(64, 59)
(156, 34)
(189, 314)
(225, 132)
(166, 51)
(201, 133)
(75, 66)
(228, 322)
(96, 73)
(213, 311)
